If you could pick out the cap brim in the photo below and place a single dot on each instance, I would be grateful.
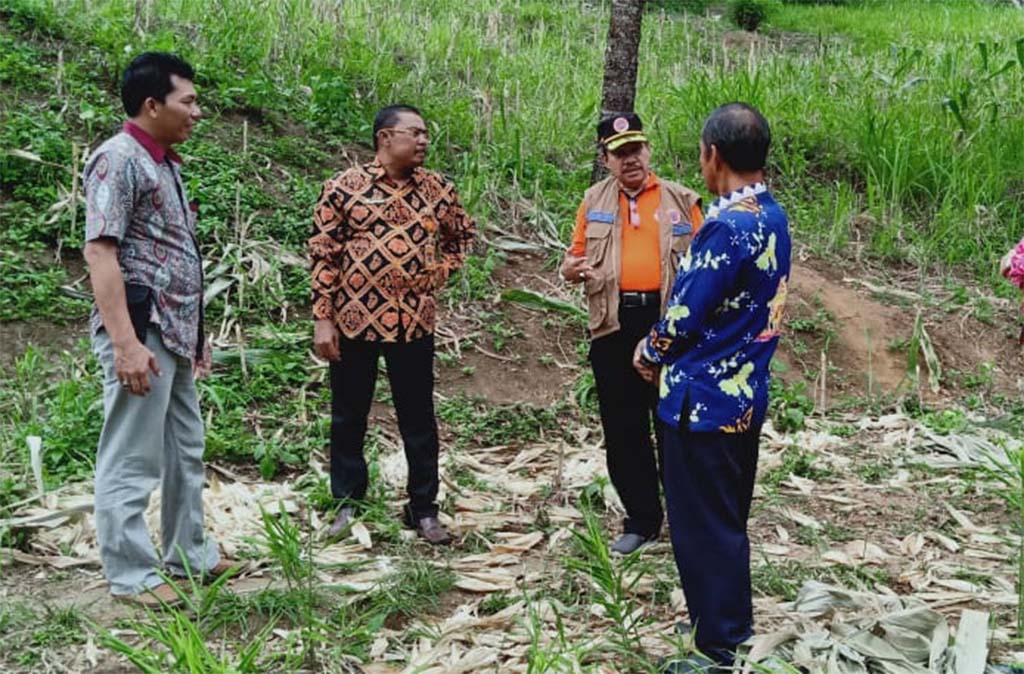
(618, 140)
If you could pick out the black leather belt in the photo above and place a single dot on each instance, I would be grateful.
(630, 300)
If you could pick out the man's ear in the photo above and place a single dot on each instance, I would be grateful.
(713, 156)
(604, 158)
(149, 106)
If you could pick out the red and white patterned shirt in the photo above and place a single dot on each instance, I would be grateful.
(134, 195)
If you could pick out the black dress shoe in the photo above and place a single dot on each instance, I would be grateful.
(628, 543)
(342, 522)
(432, 531)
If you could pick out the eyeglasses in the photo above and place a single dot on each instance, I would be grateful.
(415, 133)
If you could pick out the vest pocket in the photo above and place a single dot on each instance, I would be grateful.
(598, 242)
(597, 301)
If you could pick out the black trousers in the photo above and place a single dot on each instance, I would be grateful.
(628, 404)
(410, 368)
(709, 483)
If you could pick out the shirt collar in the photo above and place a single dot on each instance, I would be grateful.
(726, 201)
(377, 172)
(155, 150)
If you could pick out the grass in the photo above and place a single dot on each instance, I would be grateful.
(947, 198)
(479, 423)
(29, 631)
(870, 25)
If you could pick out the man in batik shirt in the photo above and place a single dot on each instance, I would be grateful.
(713, 348)
(147, 330)
(386, 237)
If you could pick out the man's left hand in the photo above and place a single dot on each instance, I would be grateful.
(648, 371)
(202, 368)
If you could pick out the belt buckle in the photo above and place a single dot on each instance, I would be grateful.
(634, 298)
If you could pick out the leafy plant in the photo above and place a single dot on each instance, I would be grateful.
(749, 14)
(789, 404)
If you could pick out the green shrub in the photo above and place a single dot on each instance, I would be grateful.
(749, 14)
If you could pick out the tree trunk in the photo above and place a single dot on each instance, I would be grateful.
(620, 64)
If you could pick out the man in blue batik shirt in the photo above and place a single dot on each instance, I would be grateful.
(713, 348)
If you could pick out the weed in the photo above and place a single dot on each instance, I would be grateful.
(29, 631)
(781, 579)
(945, 421)
(789, 405)
(472, 421)
(612, 584)
(874, 472)
(797, 462)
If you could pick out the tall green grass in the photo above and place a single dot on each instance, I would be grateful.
(897, 123)
(877, 24)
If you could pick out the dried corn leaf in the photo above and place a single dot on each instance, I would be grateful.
(361, 534)
(486, 581)
(517, 542)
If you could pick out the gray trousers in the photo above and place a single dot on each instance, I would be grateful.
(150, 441)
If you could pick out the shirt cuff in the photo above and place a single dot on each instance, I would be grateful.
(648, 354)
(322, 309)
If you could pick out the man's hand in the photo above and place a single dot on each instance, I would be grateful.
(132, 364)
(647, 371)
(326, 340)
(576, 268)
(202, 368)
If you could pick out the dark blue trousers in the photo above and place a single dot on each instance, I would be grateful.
(709, 483)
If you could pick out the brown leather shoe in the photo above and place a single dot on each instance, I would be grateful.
(224, 566)
(431, 530)
(341, 522)
(162, 595)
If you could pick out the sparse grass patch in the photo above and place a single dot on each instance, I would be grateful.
(874, 472)
(784, 579)
(474, 421)
(799, 462)
(28, 631)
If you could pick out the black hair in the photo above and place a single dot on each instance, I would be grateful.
(149, 76)
(741, 135)
(388, 117)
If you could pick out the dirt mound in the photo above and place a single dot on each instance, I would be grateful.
(509, 353)
(865, 328)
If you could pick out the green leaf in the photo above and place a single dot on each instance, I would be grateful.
(540, 301)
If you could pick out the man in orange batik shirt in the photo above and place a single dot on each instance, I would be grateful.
(386, 237)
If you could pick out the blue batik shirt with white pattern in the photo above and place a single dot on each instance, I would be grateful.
(724, 317)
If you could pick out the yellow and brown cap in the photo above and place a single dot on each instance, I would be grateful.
(620, 128)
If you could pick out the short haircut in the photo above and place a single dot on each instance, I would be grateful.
(388, 117)
(741, 135)
(149, 76)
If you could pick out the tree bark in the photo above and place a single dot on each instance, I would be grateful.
(621, 57)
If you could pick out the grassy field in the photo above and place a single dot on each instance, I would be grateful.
(899, 137)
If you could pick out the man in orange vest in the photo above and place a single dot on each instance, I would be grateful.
(631, 230)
